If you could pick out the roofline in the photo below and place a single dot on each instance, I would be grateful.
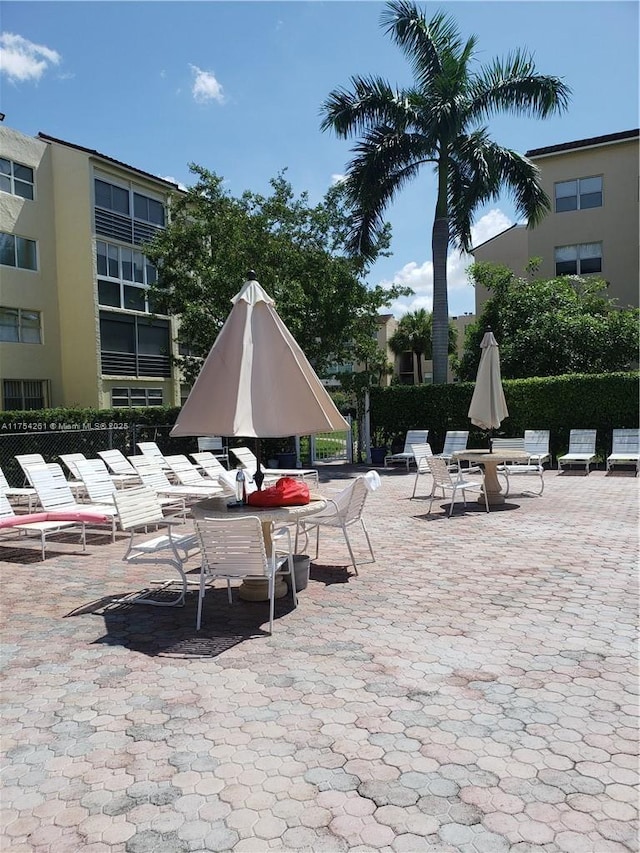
(499, 234)
(591, 142)
(46, 138)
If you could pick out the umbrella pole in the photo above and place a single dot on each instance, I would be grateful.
(258, 476)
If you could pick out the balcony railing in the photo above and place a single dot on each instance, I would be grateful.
(134, 364)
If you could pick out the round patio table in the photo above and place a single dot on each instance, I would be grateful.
(490, 461)
(256, 589)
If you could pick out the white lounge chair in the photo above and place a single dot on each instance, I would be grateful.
(18, 492)
(234, 548)
(122, 471)
(215, 445)
(138, 509)
(188, 474)
(453, 482)
(342, 511)
(151, 449)
(625, 449)
(531, 467)
(248, 460)
(154, 477)
(454, 441)
(536, 443)
(10, 521)
(582, 449)
(413, 436)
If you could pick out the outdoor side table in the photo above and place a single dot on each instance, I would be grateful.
(256, 589)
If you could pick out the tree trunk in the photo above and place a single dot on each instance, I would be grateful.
(418, 356)
(439, 249)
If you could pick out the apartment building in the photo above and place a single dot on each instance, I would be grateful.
(77, 326)
(593, 225)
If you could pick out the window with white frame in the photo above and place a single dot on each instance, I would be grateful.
(25, 394)
(16, 179)
(18, 252)
(123, 213)
(578, 260)
(20, 326)
(129, 397)
(124, 275)
(579, 194)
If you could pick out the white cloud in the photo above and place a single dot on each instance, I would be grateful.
(338, 179)
(205, 86)
(419, 277)
(173, 180)
(21, 59)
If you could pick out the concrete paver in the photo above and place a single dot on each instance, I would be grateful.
(473, 691)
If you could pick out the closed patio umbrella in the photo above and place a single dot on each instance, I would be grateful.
(256, 381)
(488, 406)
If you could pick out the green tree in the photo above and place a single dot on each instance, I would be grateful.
(298, 252)
(439, 121)
(414, 334)
(550, 327)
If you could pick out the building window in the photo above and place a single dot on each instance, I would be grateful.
(134, 346)
(578, 260)
(128, 397)
(580, 194)
(17, 252)
(124, 274)
(25, 394)
(16, 179)
(20, 326)
(124, 214)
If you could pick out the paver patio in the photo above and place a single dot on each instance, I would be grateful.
(474, 690)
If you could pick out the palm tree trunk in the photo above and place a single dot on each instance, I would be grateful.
(418, 356)
(439, 249)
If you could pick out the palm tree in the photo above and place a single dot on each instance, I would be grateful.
(414, 334)
(439, 121)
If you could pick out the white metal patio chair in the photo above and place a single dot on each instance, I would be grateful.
(138, 509)
(453, 482)
(122, 471)
(215, 445)
(247, 460)
(625, 449)
(234, 549)
(536, 443)
(9, 521)
(342, 512)
(420, 453)
(582, 449)
(531, 466)
(18, 492)
(413, 436)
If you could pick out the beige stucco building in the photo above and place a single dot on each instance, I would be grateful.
(76, 324)
(593, 225)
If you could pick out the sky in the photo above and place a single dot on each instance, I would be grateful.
(237, 87)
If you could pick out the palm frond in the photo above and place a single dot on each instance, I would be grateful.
(370, 101)
(513, 86)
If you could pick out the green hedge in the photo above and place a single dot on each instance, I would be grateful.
(559, 404)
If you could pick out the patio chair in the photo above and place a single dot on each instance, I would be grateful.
(154, 477)
(582, 449)
(151, 449)
(454, 440)
(69, 460)
(248, 460)
(18, 492)
(420, 453)
(189, 475)
(454, 482)
(342, 512)
(138, 509)
(55, 495)
(41, 527)
(214, 444)
(413, 436)
(625, 449)
(28, 460)
(234, 548)
(536, 443)
(122, 471)
(531, 466)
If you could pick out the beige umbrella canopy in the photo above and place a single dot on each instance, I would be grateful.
(488, 407)
(256, 381)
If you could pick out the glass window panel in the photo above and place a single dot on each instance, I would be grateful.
(566, 267)
(12, 394)
(117, 335)
(138, 267)
(109, 293)
(119, 396)
(589, 265)
(103, 194)
(591, 185)
(134, 298)
(153, 338)
(23, 190)
(569, 203)
(590, 200)
(590, 250)
(30, 331)
(5, 166)
(140, 206)
(138, 397)
(26, 253)
(7, 250)
(154, 394)
(566, 253)
(120, 199)
(151, 272)
(156, 212)
(24, 173)
(112, 260)
(127, 264)
(101, 257)
(566, 188)
(5, 183)
(9, 319)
